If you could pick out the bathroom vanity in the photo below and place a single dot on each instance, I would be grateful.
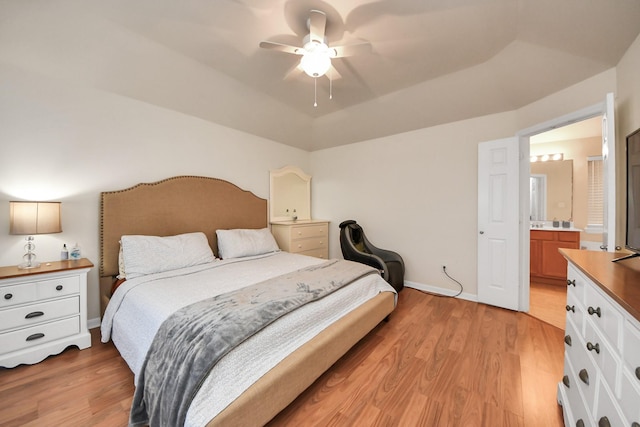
(547, 265)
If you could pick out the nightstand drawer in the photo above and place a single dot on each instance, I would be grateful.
(17, 294)
(58, 287)
(36, 313)
(38, 290)
(39, 334)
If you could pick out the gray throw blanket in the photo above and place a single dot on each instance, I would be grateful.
(192, 340)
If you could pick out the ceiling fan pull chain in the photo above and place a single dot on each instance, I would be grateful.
(315, 92)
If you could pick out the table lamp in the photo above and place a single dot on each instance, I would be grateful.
(29, 218)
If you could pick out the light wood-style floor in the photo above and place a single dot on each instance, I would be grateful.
(436, 362)
(547, 303)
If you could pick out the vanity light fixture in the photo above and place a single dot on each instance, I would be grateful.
(33, 218)
(547, 157)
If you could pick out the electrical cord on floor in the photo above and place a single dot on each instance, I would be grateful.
(444, 270)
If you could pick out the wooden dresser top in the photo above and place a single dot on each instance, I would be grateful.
(619, 280)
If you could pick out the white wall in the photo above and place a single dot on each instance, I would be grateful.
(415, 193)
(67, 143)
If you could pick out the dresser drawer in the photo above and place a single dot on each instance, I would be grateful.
(604, 355)
(40, 312)
(630, 396)
(631, 350)
(604, 315)
(317, 253)
(39, 334)
(304, 232)
(576, 284)
(575, 312)
(304, 245)
(584, 370)
(575, 402)
(607, 408)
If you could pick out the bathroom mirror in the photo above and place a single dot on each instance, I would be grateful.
(551, 190)
(289, 194)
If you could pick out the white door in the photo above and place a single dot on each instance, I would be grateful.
(498, 243)
(609, 174)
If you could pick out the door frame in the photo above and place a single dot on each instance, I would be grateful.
(525, 170)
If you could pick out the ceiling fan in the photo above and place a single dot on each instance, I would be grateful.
(316, 54)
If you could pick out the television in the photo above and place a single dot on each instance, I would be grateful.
(632, 239)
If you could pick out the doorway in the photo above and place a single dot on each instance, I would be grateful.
(562, 176)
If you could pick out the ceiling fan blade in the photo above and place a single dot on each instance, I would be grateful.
(293, 72)
(333, 74)
(352, 49)
(317, 25)
(282, 47)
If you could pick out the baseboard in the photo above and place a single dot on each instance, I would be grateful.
(441, 291)
(93, 323)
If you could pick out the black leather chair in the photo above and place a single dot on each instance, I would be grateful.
(356, 247)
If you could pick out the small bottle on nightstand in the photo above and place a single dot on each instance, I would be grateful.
(64, 253)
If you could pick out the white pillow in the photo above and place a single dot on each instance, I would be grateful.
(152, 254)
(245, 242)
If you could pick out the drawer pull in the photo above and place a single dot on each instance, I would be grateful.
(584, 376)
(593, 311)
(8, 296)
(567, 340)
(638, 373)
(571, 282)
(34, 314)
(592, 347)
(59, 288)
(35, 336)
(565, 381)
(604, 422)
(571, 308)
(580, 423)
(635, 424)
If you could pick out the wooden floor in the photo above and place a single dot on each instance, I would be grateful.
(547, 303)
(436, 362)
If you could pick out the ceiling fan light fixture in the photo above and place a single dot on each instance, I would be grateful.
(316, 60)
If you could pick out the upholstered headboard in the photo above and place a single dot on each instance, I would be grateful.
(173, 206)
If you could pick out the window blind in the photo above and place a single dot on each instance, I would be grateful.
(595, 193)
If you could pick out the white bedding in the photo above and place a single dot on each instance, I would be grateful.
(140, 305)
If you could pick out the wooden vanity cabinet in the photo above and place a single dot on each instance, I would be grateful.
(547, 265)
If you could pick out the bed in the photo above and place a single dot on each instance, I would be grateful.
(246, 386)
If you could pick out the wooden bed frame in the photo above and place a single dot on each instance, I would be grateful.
(189, 203)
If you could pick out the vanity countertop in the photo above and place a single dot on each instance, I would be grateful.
(545, 228)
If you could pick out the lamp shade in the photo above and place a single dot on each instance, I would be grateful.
(34, 218)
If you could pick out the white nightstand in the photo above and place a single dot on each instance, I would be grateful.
(43, 311)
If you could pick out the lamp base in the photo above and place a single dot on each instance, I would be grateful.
(26, 266)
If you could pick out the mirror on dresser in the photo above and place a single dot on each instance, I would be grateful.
(290, 214)
(551, 190)
(289, 194)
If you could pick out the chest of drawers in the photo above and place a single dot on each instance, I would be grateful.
(42, 311)
(601, 382)
(306, 237)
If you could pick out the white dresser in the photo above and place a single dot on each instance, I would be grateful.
(601, 382)
(306, 237)
(42, 311)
